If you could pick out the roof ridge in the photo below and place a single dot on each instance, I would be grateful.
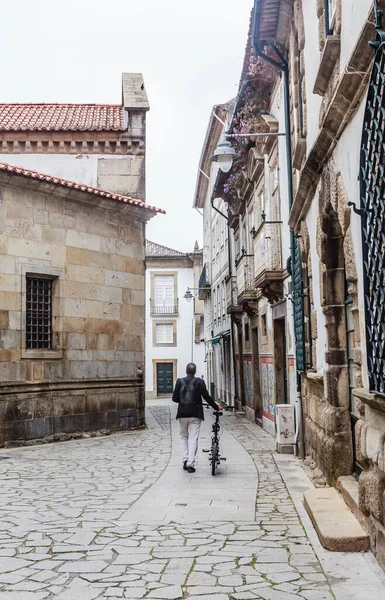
(114, 104)
(175, 252)
(57, 116)
(30, 173)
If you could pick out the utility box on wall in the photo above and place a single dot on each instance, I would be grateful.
(285, 422)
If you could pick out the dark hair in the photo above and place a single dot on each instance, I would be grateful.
(191, 369)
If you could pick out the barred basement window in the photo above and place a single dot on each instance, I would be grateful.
(39, 313)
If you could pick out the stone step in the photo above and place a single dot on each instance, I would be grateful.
(336, 526)
(348, 488)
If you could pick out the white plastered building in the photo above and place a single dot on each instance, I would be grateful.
(174, 324)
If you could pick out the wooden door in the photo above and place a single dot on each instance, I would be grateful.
(164, 378)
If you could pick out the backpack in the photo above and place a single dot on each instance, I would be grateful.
(187, 405)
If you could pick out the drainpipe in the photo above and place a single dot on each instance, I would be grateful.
(232, 321)
(283, 66)
(212, 199)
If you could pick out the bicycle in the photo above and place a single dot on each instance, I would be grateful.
(215, 456)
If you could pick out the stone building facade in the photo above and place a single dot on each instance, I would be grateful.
(100, 145)
(72, 271)
(258, 315)
(72, 296)
(316, 72)
(216, 277)
(174, 324)
(338, 176)
(331, 55)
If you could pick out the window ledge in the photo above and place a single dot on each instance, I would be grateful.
(316, 376)
(164, 345)
(329, 58)
(371, 399)
(299, 154)
(41, 354)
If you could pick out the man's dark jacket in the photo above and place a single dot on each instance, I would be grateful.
(200, 391)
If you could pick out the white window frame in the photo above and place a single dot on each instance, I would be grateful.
(171, 339)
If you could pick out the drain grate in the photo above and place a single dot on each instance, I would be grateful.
(180, 504)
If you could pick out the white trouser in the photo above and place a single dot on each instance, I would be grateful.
(189, 435)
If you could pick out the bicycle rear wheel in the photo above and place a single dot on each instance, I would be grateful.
(214, 457)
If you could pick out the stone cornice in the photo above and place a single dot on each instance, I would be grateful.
(71, 143)
(349, 91)
(83, 384)
(181, 262)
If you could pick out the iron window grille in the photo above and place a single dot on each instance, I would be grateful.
(39, 313)
(372, 210)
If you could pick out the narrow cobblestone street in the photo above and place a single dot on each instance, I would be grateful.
(117, 517)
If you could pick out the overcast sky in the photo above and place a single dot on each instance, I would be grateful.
(190, 52)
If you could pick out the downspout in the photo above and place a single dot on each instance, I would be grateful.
(283, 66)
(212, 198)
(231, 315)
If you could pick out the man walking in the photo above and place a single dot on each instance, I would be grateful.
(188, 394)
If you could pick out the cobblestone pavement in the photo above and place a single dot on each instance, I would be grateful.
(116, 517)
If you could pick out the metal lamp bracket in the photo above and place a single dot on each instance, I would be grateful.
(359, 211)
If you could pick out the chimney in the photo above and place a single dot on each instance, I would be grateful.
(134, 96)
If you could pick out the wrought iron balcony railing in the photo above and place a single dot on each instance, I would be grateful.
(164, 309)
(269, 272)
(267, 248)
(245, 278)
(204, 282)
(232, 305)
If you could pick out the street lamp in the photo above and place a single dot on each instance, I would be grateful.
(224, 153)
(188, 295)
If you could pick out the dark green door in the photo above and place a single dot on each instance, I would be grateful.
(164, 378)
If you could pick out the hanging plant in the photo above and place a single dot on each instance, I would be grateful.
(248, 119)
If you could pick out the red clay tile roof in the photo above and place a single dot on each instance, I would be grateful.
(61, 117)
(4, 167)
(154, 249)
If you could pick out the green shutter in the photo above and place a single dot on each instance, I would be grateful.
(299, 330)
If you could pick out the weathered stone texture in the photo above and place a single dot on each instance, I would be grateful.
(98, 313)
(43, 415)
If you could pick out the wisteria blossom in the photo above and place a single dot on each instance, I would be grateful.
(248, 119)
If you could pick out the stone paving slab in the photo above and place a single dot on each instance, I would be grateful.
(97, 518)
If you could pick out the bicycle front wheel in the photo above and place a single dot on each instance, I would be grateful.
(214, 457)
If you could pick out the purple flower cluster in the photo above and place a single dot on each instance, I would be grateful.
(256, 100)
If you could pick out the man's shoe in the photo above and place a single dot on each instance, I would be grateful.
(190, 470)
(185, 465)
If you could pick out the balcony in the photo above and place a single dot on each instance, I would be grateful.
(269, 272)
(232, 305)
(245, 279)
(204, 282)
(164, 309)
